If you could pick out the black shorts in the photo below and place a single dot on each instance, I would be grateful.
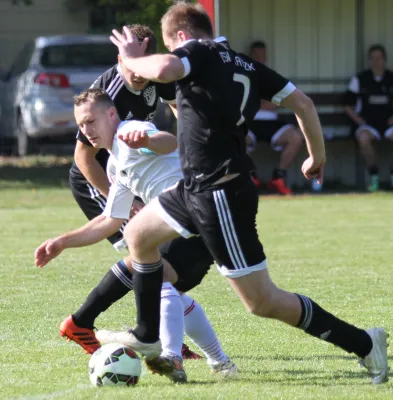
(224, 217)
(269, 131)
(92, 203)
(190, 259)
(378, 131)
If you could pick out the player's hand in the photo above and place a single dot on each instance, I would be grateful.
(47, 251)
(136, 207)
(135, 139)
(128, 44)
(312, 168)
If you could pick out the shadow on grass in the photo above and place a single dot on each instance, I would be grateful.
(34, 172)
(297, 358)
(295, 377)
(308, 376)
(302, 358)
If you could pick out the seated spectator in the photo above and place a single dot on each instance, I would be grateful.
(369, 102)
(281, 136)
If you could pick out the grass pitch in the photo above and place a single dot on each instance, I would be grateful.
(335, 249)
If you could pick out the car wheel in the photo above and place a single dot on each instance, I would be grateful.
(24, 142)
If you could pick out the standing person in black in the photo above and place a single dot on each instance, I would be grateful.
(369, 102)
(218, 93)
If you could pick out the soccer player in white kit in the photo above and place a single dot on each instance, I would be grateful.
(139, 171)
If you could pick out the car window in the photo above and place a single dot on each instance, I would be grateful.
(22, 60)
(79, 55)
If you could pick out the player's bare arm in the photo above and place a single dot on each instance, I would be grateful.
(159, 143)
(85, 159)
(158, 67)
(309, 123)
(94, 231)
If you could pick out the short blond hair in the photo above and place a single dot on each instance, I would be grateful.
(93, 95)
(187, 17)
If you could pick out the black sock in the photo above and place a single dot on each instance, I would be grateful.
(319, 323)
(114, 285)
(147, 283)
(279, 173)
(373, 170)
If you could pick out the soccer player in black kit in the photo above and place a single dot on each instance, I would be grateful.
(218, 93)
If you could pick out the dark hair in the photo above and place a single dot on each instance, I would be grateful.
(257, 44)
(188, 17)
(142, 32)
(93, 95)
(377, 47)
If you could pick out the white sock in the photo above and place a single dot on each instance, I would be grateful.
(172, 321)
(198, 328)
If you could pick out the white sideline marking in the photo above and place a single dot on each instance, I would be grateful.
(53, 395)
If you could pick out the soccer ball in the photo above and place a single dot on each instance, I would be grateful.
(114, 365)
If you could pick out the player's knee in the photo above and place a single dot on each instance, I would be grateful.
(298, 138)
(295, 138)
(364, 138)
(134, 238)
(262, 306)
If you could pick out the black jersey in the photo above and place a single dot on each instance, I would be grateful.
(219, 94)
(372, 97)
(130, 104)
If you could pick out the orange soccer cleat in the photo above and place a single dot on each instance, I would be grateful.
(188, 354)
(278, 186)
(85, 337)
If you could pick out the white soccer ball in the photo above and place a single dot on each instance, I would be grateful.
(114, 365)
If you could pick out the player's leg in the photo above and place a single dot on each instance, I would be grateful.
(79, 327)
(291, 140)
(365, 136)
(199, 329)
(191, 260)
(115, 285)
(144, 233)
(287, 139)
(171, 322)
(262, 298)
(242, 260)
(388, 134)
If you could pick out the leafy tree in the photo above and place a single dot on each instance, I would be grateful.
(146, 12)
(109, 14)
(115, 13)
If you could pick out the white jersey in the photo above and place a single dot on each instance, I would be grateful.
(137, 172)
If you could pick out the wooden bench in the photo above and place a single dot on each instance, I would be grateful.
(344, 167)
(335, 117)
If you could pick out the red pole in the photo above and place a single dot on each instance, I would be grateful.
(209, 7)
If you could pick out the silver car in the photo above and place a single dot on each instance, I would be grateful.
(36, 94)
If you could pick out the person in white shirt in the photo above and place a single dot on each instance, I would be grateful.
(145, 170)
